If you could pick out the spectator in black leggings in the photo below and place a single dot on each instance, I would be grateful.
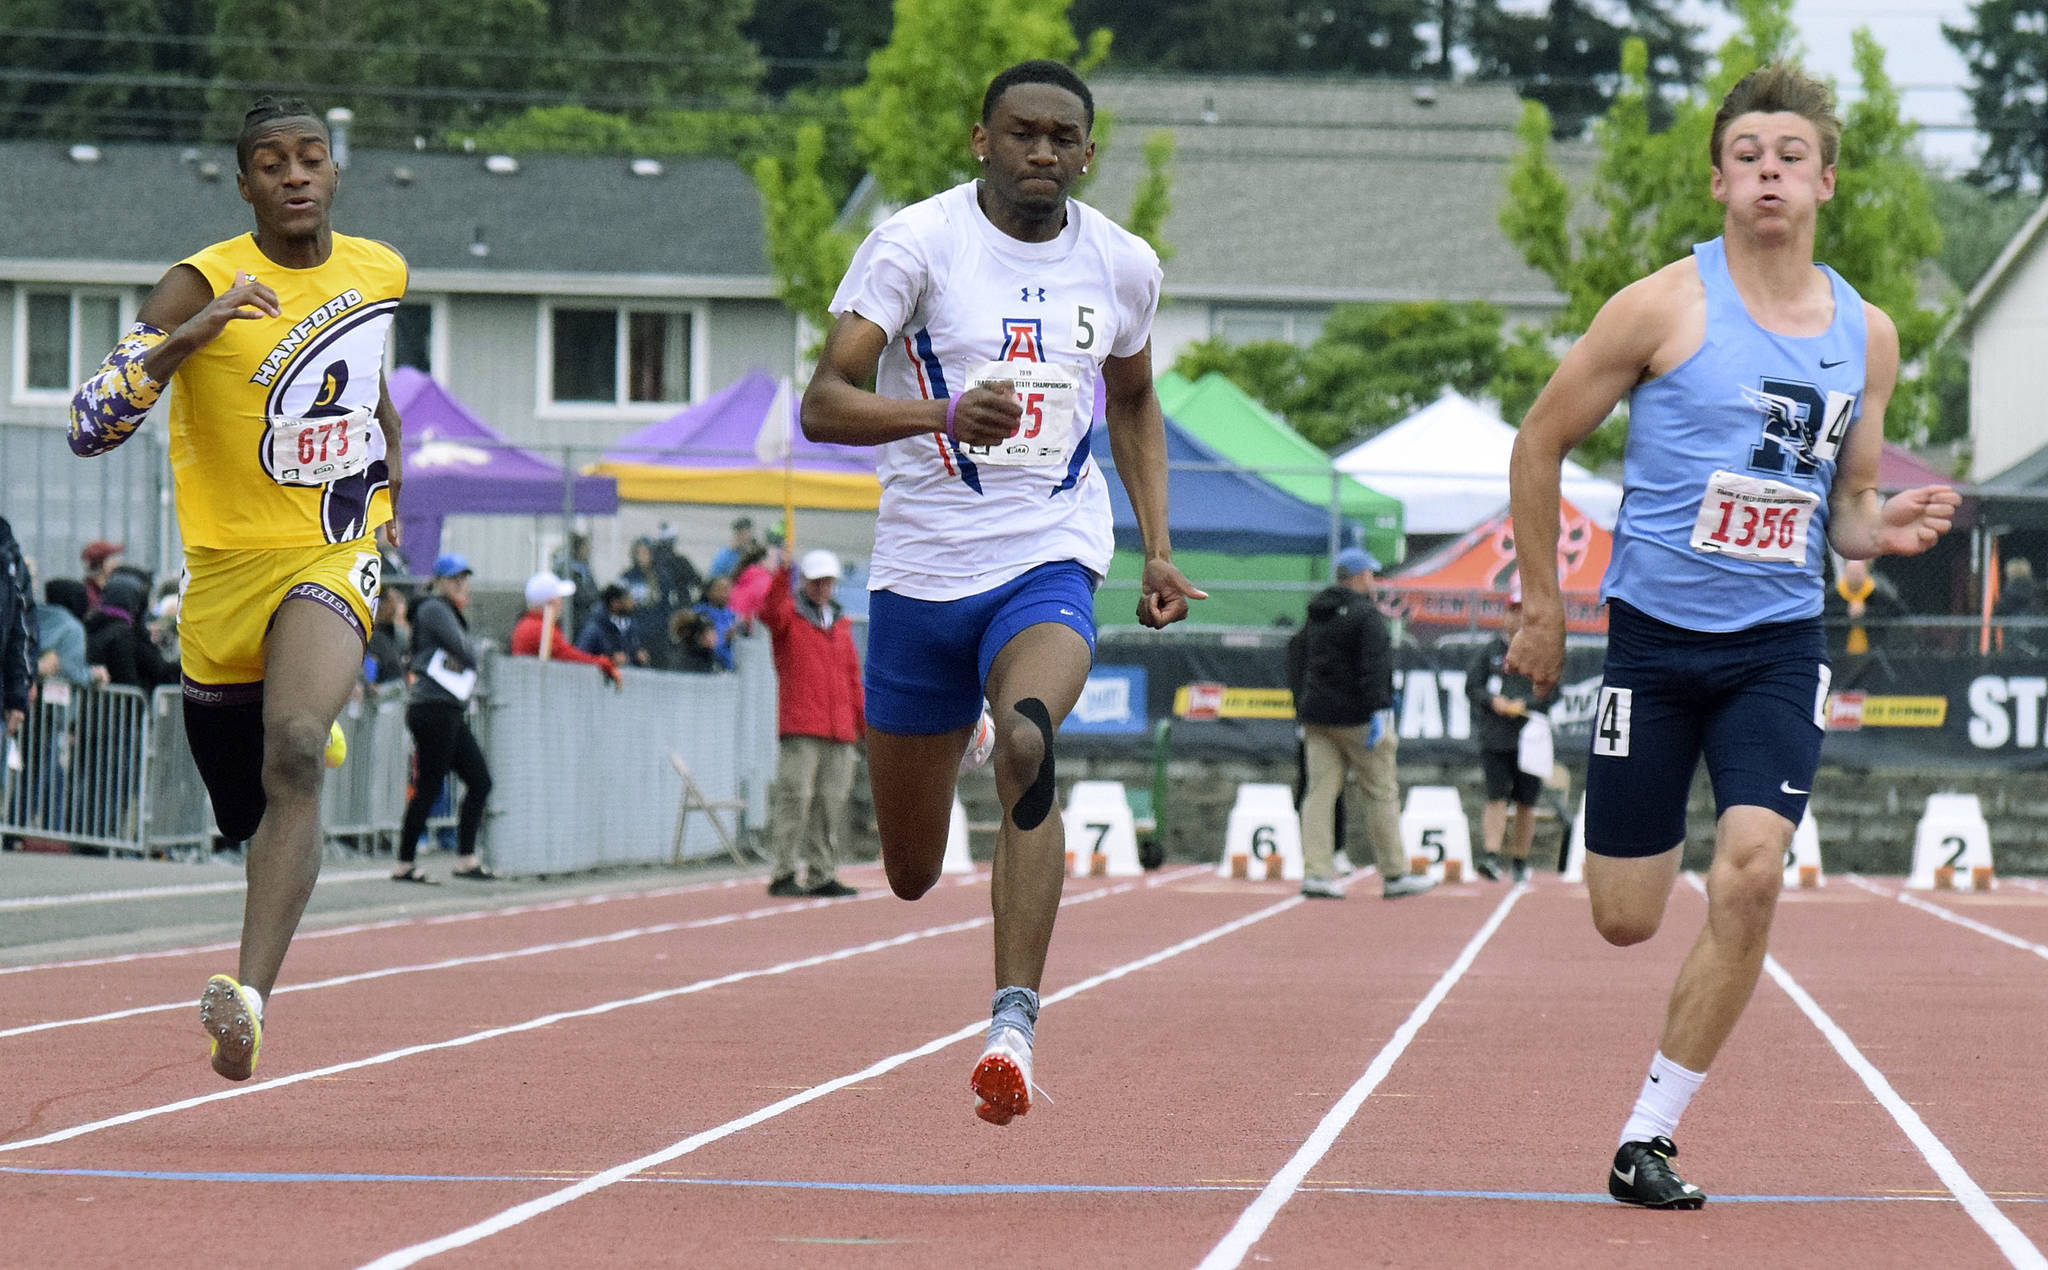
(443, 675)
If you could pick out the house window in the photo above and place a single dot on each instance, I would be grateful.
(412, 337)
(65, 334)
(619, 356)
(1243, 326)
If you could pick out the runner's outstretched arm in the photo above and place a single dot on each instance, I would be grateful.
(1862, 523)
(1137, 442)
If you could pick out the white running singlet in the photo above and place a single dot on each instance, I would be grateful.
(954, 293)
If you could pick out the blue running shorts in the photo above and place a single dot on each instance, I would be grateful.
(928, 659)
(1753, 702)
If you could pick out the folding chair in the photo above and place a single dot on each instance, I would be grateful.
(693, 799)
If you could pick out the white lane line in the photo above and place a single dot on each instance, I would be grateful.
(2018, 1249)
(1231, 1250)
(545, 1020)
(1947, 915)
(535, 1207)
(158, 892)
(357, 928)
(451, 963)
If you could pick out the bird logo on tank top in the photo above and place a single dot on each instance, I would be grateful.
(336, 368)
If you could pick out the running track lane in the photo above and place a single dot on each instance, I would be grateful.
(527, 1104)
(1167, 1081)
(529, 947)
(1957, 1022)
(1518, 1087)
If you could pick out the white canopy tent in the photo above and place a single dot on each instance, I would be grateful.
(1448, 464)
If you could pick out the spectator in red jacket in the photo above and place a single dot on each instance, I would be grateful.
(544, 594)
(819, 720)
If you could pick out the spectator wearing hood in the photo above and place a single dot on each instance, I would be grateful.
(17, 631)
(99, 560)
(613, 631)
(653, 596)
(116, 637)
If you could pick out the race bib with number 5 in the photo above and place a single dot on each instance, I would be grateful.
(1753, 519)
(318, 451)
(1051, 402)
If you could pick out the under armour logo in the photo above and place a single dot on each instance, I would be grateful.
(1040, 297)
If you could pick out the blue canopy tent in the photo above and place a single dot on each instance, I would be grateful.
(1227, 524)
(1216, 505)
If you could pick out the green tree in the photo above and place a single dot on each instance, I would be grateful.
(806, 250)
(1375, 364)
(1565, 55)
(1976, 224)
(1285, 36)
(107, 79)
(821, 43)
(2006, 46)
(924, 87)
(1152, 202)
(1649, 204)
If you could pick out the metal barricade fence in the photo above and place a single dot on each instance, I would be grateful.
(75, 772)
(580, 776)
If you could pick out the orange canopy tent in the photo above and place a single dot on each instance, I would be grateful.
(1465, 583)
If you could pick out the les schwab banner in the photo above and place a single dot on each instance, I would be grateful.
(1884, 711)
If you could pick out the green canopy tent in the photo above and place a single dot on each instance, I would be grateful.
(1223, 417)
(1256, 590)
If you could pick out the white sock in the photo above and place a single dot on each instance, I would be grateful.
(255, 1001)
(1665, 1092)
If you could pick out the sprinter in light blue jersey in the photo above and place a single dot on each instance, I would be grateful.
(1757, 382)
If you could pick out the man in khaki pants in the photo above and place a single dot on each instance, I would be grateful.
(819, 722)
(1340, 667)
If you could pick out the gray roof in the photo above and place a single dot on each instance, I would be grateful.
(1339, 189)
(557, 214)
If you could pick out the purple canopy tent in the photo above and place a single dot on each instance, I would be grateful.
(455, 464)
(704, 453)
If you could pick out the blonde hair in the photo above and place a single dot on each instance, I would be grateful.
(1778, 87)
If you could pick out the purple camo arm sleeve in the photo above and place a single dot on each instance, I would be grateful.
(110, 405)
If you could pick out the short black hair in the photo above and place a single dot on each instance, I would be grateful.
(268, 110)
(1037, 71)
(613, 591)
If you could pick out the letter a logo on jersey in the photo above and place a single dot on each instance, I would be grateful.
(1023, 340)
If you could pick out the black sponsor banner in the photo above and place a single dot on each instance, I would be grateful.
(1882, 710)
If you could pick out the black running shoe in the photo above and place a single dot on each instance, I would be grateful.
(1521, 869)
(1642, 1176)
(831, 889)
(785, 886)
(1488, 867)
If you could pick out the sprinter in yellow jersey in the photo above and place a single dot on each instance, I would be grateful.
(285, 455)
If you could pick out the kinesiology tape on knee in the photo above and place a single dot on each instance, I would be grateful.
(1036, 801)
(113, 403)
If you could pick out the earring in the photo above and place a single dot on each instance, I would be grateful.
(982, 157)
(1084, 169)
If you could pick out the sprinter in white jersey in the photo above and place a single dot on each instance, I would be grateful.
(1757, 384)
(986, 316)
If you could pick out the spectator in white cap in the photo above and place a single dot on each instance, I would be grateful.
(540, 627)
(819, 721)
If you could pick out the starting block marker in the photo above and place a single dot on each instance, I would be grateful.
(1262, 841)
(1575, 854)
(1435, 834)
(1802, 858)
(957, 858)
(1952, 846)
(1102, 835)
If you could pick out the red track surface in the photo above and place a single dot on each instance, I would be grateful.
(1178, 1090)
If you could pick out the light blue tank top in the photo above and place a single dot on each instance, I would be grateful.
(1749, 402)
